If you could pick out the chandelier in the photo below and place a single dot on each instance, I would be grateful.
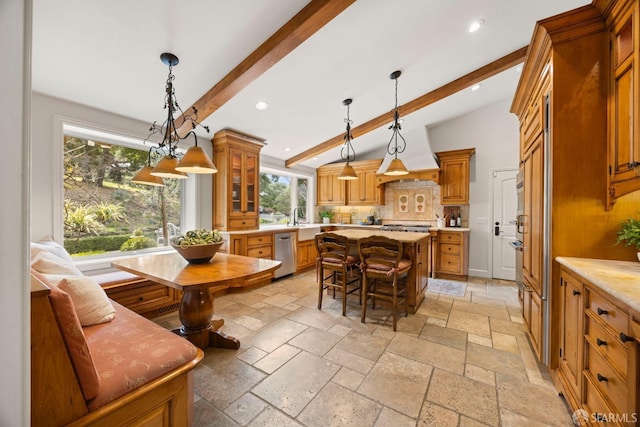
(170, 165)
(347, 152)
(396, 167)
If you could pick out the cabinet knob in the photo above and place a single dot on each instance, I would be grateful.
(600, 342)
(601, 311)
(140, 298)
(575, 292)
(602, 378)
(625, 338)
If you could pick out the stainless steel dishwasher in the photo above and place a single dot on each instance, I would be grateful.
(285, 252)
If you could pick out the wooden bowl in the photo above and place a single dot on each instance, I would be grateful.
(198, 254)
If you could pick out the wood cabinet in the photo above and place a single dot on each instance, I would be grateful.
(452, 254)
(532, 315)
(454, 179)
(331, 190)
(306, 255)
(624, 102)
(599, 351)
(571, 336)
(363, 191)
(533, 215)
(143, 296)
(236, 186)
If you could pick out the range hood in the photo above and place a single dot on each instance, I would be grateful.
(417, 156)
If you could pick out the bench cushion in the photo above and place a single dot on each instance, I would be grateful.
(130, 351)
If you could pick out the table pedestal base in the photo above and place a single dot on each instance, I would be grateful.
(196, 313)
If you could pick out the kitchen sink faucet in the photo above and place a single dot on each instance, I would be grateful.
(296, 214)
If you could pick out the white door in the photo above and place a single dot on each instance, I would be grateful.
(503, 230)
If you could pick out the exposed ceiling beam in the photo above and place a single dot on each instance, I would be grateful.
(429, 98)
(303, 25)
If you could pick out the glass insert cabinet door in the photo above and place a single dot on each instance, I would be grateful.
(244, 171)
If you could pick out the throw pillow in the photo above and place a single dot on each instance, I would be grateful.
(50, 245)
(47, 263)
(91, 302)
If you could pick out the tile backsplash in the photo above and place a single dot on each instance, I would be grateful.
(406, 202)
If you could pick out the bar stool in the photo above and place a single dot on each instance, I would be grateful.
(384, 273)
(342, 268)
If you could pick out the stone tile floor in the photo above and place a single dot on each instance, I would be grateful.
(459, 361)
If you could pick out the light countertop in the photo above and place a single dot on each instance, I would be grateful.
(283, 228)
(621, 279)
(403, 236)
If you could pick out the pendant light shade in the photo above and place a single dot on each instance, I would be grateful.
(144, 177)
(396, 167)
(166, 168)
(348, 173)
(195, 160)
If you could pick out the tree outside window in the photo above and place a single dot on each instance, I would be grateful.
(103, 211)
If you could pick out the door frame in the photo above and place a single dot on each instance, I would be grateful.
(491, 211)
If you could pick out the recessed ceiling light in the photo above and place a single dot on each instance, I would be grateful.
(314, 158)
(287, 149)
(476, 87)
(475, 26)
(261, 105)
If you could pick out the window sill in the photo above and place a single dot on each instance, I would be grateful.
(98, 264)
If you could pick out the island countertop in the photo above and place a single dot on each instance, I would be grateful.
(404, 237)
(621, 279)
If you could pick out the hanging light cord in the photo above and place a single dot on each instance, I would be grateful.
(396, 149)
(347, 153)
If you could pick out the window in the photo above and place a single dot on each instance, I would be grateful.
(280, 194)
(103, 211)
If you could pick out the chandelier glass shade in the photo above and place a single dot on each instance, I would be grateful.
(395, 146)
(347, 152)
(171, 164)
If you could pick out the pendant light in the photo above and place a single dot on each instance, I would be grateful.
(396, 167)
(195, 160)
(347, 152)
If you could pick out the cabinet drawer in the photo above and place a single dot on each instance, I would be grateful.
(595, 404)
(449, 264)
(243, 224)
(260, 252)
(606, 380)
(450, 237)
(132, 296)
(615, 352)
(449, 249)
(609, 313)
(263, 239)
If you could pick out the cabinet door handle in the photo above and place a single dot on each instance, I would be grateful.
(602, 378)
(574, 292)
(625, 338)
(601, 311)
(600, 342)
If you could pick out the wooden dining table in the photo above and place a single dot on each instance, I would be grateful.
(198, 282)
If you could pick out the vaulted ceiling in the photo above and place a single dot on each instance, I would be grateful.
(105, 54)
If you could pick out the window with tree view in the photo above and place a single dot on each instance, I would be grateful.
(279, 195)
(103, 211)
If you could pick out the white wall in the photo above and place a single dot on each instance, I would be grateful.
(48, 113)
(15, 47)
(494, 132)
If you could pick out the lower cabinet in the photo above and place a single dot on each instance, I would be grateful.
(306, 255)
(598, 365)
(452, 254)
(532, 314)
(145, 297)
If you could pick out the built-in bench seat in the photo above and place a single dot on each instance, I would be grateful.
(143, 370)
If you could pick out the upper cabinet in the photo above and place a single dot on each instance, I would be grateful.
(624, 145)
(236, 188)
(363, 191)
(454, 176)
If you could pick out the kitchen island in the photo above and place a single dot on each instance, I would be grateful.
(416, 248)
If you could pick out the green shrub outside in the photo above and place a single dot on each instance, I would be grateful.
(137, 242)
(95, 243)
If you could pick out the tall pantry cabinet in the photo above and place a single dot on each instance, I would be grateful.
(559, 101)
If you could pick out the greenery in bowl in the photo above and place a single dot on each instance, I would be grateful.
(198, 246)
(629, 233)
